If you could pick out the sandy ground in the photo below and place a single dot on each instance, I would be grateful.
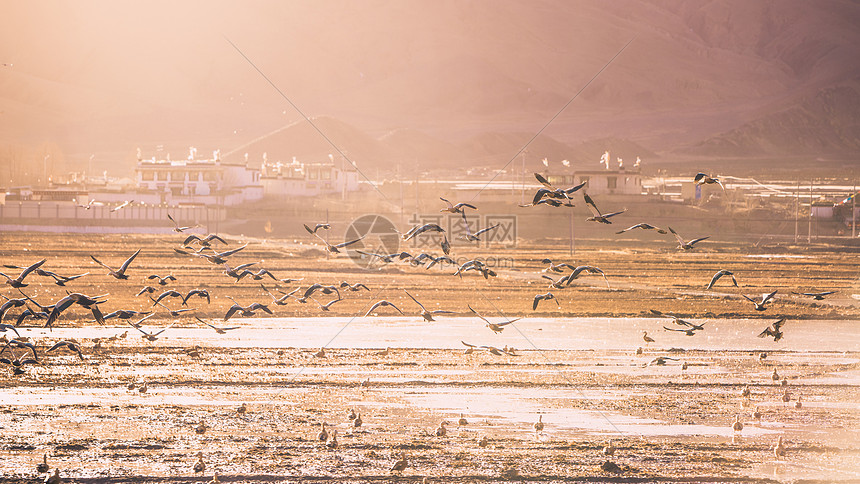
(667, 423)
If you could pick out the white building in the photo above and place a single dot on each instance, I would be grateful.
(199, 180)
(296, 179)
(612, 182)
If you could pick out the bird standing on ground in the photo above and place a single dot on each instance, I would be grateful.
(43, 466)
(737, 426)
(199, 466)
(400, 464)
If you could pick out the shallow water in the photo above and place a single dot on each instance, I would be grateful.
(528, 333)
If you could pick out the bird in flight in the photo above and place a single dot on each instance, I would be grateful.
(458, 208)
(773, 330)
(495, 327)
(703, 179)
(818, 296)
(216, 328)
(317, 227)
(216, 258)
(596, 215)
(379, 304)
(761, 305)
(119, 273)
(177, 228)
(719, 274)
(687, 245)
(476, 236)
(544, 297)
(19, 281)
(427, 315)
(643, 226)
(333, 248)
(122, 205)
(162, 281)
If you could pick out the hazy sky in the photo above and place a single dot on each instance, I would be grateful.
(108, 76)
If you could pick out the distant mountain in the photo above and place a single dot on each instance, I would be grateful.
(823, 124)
(447, 80)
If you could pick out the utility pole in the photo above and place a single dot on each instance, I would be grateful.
(854, 211)
(523, 194)
(796, 210)
(809, 230)
(572, 247)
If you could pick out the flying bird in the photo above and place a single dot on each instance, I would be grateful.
(177, 228)
(476, 236)
(544, 297)
(818, 296)
(87, 302)
(719, 274)
(687, 245)
(760, 305)
(703, 179)
(149, 336)
(495, 327)
(125, 314)
(162, 281)
(122, 205)
(217, 258)
(169, 293)
(205, 241)
(773, 330)
(353, 287)
(216, 328)
(119, 273)
(173, 312)
(491, 349)
(458, 208)
(596, 215)
(379, 304)
(201, 293)
(420, 229)
(427, 315)
(19, 281)
(643, 226)
(313, 231)
(556, 267)
(70, 345)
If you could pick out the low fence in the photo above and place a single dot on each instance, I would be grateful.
(48, 216)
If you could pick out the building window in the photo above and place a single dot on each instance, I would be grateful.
(147, 176)
(325, 174)
(312, 174)
(612, 182)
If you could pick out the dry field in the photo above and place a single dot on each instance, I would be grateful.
(667, 423)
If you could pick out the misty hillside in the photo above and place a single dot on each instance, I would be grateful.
(428, 82)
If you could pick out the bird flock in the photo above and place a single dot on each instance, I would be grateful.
(19, 353)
